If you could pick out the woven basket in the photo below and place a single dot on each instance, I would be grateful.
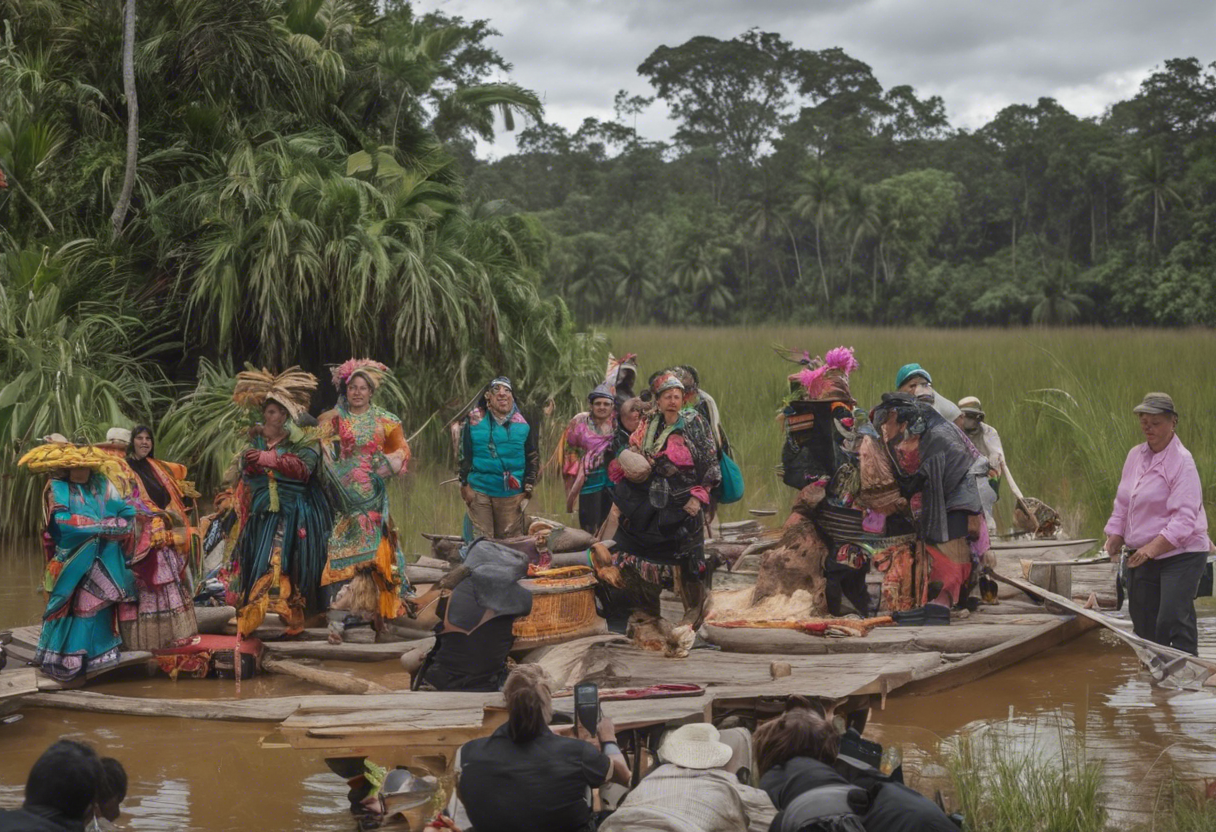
(560, 605)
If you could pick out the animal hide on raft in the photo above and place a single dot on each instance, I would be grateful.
(798, 563)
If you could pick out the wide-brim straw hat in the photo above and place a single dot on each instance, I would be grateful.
(695, 746)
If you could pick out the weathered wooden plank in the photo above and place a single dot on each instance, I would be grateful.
(339, 682)
(959, 637)
(264, 709)
(18, 681)
(826, 676)
(269, 709)
(25, 643)
(391, 651)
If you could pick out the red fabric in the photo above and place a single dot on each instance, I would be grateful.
(952, 575)
(212, 644)
(289, 465)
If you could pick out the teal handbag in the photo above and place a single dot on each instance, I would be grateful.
(730, 490)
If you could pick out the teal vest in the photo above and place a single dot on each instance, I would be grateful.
(504, 453)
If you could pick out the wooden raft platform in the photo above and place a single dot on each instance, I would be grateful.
(843, 673)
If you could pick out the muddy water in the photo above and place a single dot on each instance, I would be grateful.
(202, 775)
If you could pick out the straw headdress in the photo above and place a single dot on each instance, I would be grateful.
(60, 456)
(291, 388)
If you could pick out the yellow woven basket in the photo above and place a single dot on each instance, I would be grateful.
(561, 604)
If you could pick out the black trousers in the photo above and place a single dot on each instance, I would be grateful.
(1161, 600)
(593, 509)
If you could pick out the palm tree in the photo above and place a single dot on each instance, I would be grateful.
(635, 283)
(119, 217)
(415, 64)
(1055, 301)
(1148, 181)
(860, 220)
(763, 216)
(821, 193)
(697, 272)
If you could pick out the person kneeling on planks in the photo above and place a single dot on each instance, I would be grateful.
(476, 620)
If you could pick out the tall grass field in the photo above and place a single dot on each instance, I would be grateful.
(1061, 399)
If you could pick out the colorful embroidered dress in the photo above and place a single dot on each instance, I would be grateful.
(363, 451)
(88, 527)
(654, 525)
(284, 524)
(164, 611)
(584, 468)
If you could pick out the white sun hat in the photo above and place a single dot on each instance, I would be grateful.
(118, 436)
(695, 746)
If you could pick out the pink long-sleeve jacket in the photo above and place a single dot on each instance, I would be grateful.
(1160, 494)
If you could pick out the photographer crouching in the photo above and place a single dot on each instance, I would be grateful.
(523, 777)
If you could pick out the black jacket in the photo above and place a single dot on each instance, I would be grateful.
(38, 819)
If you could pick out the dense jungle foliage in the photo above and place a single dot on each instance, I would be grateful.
(796, 188)
(294, 199)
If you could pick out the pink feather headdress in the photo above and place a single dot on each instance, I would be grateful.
(828, 374)
(374, 371)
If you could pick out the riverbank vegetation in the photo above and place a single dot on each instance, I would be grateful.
(1061, 399)
(1002, 787)
(798, 188)
(294, 181)
(264, 181)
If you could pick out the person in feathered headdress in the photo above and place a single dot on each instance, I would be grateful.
(819, 418)
(284, 517)
(621, 375)
(364, 576)
(89, 529)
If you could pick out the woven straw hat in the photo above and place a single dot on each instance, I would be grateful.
(695, 746)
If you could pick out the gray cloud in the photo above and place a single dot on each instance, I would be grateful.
(978, 56)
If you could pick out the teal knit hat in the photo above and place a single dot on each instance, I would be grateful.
(907, 371)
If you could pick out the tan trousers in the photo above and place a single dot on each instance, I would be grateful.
(497, 517)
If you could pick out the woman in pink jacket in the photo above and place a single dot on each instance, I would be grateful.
(1159, 519)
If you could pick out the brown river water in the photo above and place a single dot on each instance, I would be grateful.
(202, 775)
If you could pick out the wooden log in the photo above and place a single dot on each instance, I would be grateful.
(432, 563)
(339, 682)
(424, 574)
(409, 629)
(214, 620)
(957, 638)
(345, 652)
(268, 709)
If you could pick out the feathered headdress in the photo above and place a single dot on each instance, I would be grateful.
(58, 456)
(374, 371)
(616, 366)
(827, 378)
(291, 388)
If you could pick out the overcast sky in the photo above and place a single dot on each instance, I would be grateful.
(978, 55)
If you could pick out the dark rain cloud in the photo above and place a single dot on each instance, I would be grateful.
(979, 55)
